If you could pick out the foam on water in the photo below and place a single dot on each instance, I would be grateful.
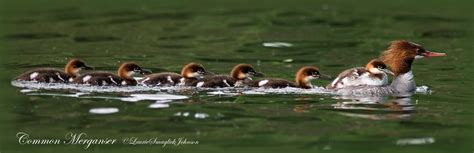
(79, 94)
(416, 141)
(287, 90)
(104, 110)
(158, 97)
(197, 115)
(277, 44)
(31, 87)
(88, 88)
(159, 105)
(423, 89)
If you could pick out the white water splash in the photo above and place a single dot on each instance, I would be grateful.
(27, 90)
(79, 94)
(159, 105)
(32, 87)
(198, 115)
(277, 44)
(201, 115)
(423, 89)
(104, 110)
(287, 90)
(88, 88)
(416, 141)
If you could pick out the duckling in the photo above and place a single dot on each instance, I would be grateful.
(122, 78)
(238, 75)
(190, 74)
(374, 74)
(52, 75)
(303, 79)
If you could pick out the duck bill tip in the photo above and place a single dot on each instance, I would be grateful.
(325, 77)
(259, 74)
(88, 68)
(146, 72)
(433, 54)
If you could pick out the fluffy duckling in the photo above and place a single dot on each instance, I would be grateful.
(190, 74)
(124, 76)
(302, 80)
(238, 75)
(374, 74)
(52, 75)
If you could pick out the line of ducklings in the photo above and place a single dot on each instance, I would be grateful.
(371, 79)
(193, 74)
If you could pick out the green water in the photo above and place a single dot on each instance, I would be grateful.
(164, 35)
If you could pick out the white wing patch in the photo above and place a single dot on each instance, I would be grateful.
(181, 82)
(335, 81)
(239, 83)
(146, 79)
(86, 78)
(104, 83)
(262, 83)
(169, 79)
(33, 75)
(112, 79)
(59, 76)
(199, 84)
(225, 82)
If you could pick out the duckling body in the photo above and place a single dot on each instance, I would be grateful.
(102, 78)
(273, 83)
(303, 79)
(239, 74)
(52, 75)
(217, 81)
(190, 74)
(374, 74)
(123, 78)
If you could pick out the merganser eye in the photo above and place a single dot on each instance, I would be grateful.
(420, 51)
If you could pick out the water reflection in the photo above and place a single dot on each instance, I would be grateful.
(416, 141)
(197, 115)
(376, 108)
(373, 108)
(104, 110)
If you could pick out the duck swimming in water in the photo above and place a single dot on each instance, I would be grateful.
(52, 75)
(302, 80)
(374, 74)
(190, 75)
(239, 74)
(399, 57)
(124, 76)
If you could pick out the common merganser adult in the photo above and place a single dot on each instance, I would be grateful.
(399, 56)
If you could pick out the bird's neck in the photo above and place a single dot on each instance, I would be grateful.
(404, 83)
